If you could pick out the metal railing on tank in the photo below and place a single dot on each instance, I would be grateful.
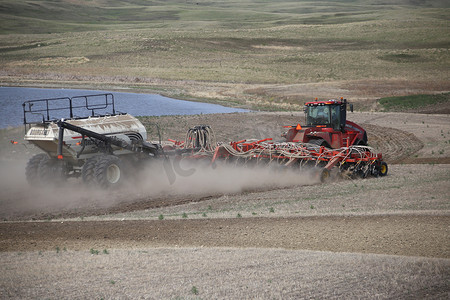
(78, 107)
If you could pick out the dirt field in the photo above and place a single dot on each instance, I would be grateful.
(258, 236)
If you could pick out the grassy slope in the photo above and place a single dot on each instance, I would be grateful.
(231, 42)
(412, 102)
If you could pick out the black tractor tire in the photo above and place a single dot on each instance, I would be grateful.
(51, 171)
(383, 169)
(88, 170)
(32, 169)
(319, 142)
(109, 171)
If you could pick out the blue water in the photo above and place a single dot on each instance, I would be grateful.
(11, 99)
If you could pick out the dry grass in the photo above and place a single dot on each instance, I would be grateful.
(329, 54)
(337, 44)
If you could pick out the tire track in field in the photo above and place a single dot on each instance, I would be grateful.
(395, 145)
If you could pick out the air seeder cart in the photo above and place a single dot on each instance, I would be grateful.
(83, 137)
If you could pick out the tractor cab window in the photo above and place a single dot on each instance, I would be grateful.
(328, 115)
(335, 117)
(318, 115)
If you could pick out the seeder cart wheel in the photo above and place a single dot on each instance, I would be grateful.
(109, 171)
(32, 169)
(88, 170)
(52, 171)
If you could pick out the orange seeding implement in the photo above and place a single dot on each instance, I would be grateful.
(349, 162)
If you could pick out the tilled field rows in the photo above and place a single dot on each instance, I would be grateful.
(220, 273)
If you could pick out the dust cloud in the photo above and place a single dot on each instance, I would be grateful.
(20, 201)
(153, 182)
(198, 178)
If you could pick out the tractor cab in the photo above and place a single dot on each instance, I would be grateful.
(327, 125)
(330, 113)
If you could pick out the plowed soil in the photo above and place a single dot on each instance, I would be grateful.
(395, 235)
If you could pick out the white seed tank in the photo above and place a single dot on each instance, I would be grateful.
(122, 126)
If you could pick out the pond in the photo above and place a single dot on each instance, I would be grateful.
(11, 99)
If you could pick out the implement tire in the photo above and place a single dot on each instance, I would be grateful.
(325, 175)
(383, 169)
(32, 169)
(109, 171)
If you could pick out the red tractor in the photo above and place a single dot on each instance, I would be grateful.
(327, 125)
